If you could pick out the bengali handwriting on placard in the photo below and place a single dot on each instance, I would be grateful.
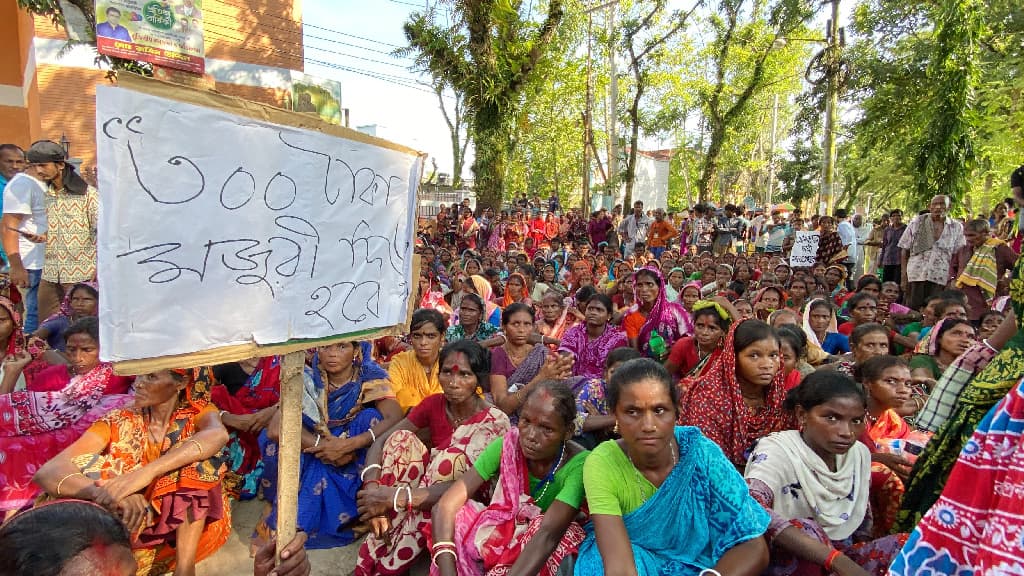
(234, 211)
(805, 249)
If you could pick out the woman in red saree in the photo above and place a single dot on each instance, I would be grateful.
(403, 477)
(59, 405)
(245, 411)
(739, 398)
(155, 465)
(528, 527)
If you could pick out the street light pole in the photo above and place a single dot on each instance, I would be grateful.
(828, 146)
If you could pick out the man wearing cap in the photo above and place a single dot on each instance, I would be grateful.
(72, 208)
(24, 224)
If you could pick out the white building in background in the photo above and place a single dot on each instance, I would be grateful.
(650, 186)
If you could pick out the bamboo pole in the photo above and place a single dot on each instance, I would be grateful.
(289, 449)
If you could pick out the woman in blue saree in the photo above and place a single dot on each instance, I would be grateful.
(664, 499)
(347, 402)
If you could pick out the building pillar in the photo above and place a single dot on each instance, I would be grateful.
(19, 94)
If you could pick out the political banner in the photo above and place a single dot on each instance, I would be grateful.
(162, 32)
(228, 223)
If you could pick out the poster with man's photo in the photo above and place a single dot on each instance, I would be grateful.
(162, 32)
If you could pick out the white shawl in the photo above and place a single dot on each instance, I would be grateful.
(804, 487)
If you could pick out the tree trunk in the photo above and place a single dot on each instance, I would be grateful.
(710, 172)
(634, 139)
(493, 139)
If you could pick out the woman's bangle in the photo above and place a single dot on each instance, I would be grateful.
(317, 441)
(831, 559)
(222, 413)
(59, 484)
(433, 559)
(373, 437)
(987, 345)
(442, 544)
(394, 499)
(709, 572)
(198, 445)
(408, 499)
(362, 475)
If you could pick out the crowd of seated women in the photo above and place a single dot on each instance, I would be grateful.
(577, 414)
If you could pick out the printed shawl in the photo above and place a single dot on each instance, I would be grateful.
(974, 528)
(981, 269)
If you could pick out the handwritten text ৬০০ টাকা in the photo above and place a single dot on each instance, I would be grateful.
(294, 248)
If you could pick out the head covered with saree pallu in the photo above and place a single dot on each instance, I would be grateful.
(486, 293)
(714, 403)
(670, 319)
(509, 298)
(815, 353)
(322, 411)
(16, 340)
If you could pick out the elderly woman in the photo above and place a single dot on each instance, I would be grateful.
(528, 527)
(404, 478)
(346, 396)
(664, 499)
(156, 465)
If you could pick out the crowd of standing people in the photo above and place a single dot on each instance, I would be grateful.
(638, 393)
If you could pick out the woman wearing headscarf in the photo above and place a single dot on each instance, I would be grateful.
(739, 398)
(821, 327)
(346, 402)
(516, 290)
(653, 313)
(157, 465)
(482, 288)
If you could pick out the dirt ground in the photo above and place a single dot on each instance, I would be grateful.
(233, 558)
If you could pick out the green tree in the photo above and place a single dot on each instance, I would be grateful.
(644, 37)
(502, 48)
(746, 56)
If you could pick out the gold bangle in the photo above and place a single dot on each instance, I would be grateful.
(198, 445)
(59, 484)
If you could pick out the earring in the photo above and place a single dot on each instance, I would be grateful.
(615, 429)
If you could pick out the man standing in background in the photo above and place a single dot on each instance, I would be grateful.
(891, 267)
(634, 227)
(25, 225)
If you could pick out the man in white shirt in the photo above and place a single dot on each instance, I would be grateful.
(24, 224)
(848, 235)
(862, 226)
(634, 227)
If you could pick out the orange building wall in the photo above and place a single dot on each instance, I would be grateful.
(264, 32)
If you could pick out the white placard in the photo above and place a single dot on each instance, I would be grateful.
(805, 249)
(217, 229)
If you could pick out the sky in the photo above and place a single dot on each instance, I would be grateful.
(351, 40)
(377, 88)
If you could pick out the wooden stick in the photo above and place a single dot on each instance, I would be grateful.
(289, 448)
